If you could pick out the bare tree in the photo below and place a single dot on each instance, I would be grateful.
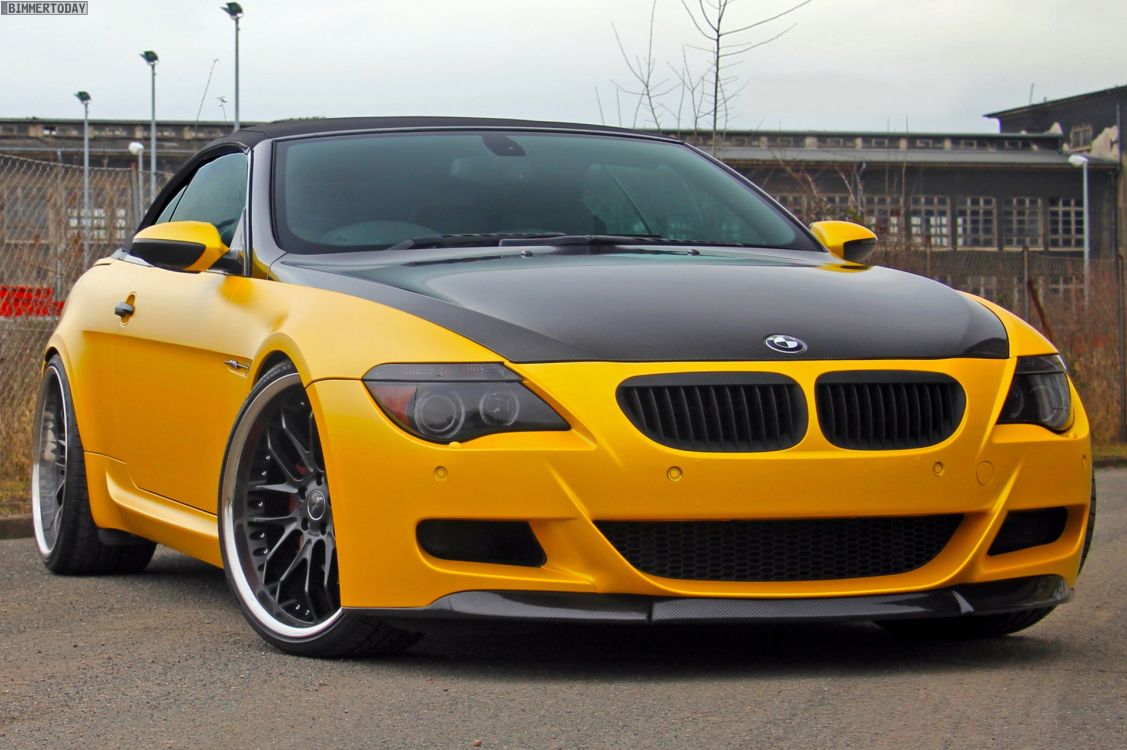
(693, 92)
(648, 91)
(710, 18)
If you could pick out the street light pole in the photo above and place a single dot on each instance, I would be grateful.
(1079, 160)
(151, 58)
(84, 97)
(235, 11)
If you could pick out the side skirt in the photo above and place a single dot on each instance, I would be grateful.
(118, 504)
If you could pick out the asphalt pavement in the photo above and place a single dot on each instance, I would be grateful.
(164, 659)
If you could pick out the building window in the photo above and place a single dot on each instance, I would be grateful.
(983, 286)
(1022, 223)
(970, 143)
(831, 206)
(27, 211)
(930, 221)
(1066, 223)
(834, 142)
(884, 213)
(1067, 287)
(878, 143)
(974, 222)
(795, 203)
(1080, 137)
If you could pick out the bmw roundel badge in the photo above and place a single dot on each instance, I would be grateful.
(784, 344)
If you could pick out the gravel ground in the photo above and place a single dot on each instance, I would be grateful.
(165, 660)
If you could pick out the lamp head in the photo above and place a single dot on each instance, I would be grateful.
(136, 148)
(1078, 160)
(234, 10)
(83, 97)
(150, 57)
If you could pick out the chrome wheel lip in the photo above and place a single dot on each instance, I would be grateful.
(244, 589)
(46, 547)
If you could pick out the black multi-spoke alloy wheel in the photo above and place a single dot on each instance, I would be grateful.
(277, 534)
(65, 532)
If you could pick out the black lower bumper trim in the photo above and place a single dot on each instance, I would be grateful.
(968, 599)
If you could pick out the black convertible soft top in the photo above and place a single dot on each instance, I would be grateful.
(253, 134)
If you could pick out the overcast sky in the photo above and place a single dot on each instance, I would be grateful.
(847, 64)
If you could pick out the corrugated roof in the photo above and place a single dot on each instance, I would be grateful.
(1113, 91)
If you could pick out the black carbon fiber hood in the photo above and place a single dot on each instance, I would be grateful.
(661, 305)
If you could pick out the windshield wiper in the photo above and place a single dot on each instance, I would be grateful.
(508, 239)
(562, 240)
(555, 239)
(622, 240)
(487, 239)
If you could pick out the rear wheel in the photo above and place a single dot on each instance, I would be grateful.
(65, 532)
(277, 533)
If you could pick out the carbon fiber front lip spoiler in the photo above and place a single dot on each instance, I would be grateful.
(968, 599)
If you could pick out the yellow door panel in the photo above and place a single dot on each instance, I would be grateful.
(181, 368)
(85, 339)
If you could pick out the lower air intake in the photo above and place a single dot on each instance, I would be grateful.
(787, 550)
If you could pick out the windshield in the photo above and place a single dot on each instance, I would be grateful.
(370, 192)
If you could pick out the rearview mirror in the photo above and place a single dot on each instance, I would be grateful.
(191, 246)
(846, 240)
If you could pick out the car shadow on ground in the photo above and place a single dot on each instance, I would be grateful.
(550, 651)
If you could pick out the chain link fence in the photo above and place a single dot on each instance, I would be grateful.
(43, 247)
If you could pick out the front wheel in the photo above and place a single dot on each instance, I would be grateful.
(277, 534)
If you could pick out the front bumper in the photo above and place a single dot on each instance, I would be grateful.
(385, 482)
(969, 599)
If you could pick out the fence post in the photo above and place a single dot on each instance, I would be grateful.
(1025, 278)
(59, 239)
(135, 194)
(1122, 325)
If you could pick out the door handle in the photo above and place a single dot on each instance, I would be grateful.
(123, 310)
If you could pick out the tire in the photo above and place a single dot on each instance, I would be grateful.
(276, 530)
(65, 533)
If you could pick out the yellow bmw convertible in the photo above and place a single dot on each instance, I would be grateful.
(383, 370)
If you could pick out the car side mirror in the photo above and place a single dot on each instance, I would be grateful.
(846, 240)
(191, 246)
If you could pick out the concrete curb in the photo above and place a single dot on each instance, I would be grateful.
(1109, 462)
(15, 527)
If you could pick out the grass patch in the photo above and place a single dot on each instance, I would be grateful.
(1110, 450)
(13, 497)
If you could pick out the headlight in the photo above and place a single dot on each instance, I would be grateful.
(447, 403)
(1039, 394)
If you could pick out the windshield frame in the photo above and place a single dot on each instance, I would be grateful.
(804, 241)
